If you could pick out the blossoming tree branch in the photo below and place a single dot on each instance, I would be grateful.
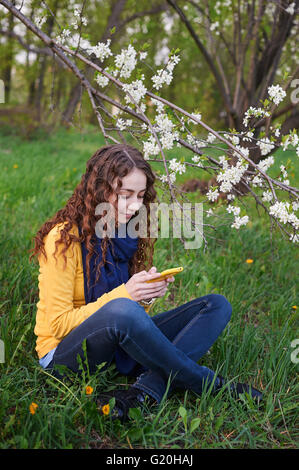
(122, 102)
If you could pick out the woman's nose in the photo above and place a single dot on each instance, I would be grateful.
(134, 206)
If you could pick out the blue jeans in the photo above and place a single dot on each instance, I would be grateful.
(168, 344)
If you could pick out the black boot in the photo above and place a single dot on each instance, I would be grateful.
(124, 400)
(236, 389)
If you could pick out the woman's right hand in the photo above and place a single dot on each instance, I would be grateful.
(140, 290)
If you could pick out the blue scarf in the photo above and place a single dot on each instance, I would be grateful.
(113, 273)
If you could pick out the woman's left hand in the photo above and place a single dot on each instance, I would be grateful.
(168, 280)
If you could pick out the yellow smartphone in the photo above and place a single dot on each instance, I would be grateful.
(167, 273)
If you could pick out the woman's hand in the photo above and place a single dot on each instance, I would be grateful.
(140, 290)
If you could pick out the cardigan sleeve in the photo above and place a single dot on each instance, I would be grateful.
(56, 287)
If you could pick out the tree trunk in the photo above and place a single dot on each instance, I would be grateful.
(43, 67)
(8, 59)
(75, 94)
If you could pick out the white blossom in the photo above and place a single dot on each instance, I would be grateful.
(266, 163)
(101, 80)
(223, 161)
(292, 139)
(283, 171)
(126, 61)
(243, 150)
(122, 124)
(197, 116)
(265, 145)
(235, 139)
(176, 166)
(150, 147)
(137, 91)
(276, 93)
(280, 211)
(172, 177)
(101, 50)
(164, 124)
(239, 221)
(254, 112)
(295, 205)
(212, 195)
(160, 106)
(77, 12)
(165, 75)
(40, 20)
(168, 138)
(162, 76)
(293, 219)
(267, 196)
(198, 160)
(214, 26)
(248, 136)
(211, 137)
(195, 142)
(291, 8)
(230, 176)
(233, 209)
(62, 38)
(225, 186)
(257, 181)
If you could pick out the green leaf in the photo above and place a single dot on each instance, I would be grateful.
(182, 412)
(112, 403)
(135, 433)
(194, 424)
(219, 422)
(135, 413)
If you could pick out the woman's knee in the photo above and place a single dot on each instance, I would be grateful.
(123, 312)
(223, 305)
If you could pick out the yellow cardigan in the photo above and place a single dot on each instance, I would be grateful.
(61, 306)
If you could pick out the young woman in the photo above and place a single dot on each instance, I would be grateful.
(93, 290)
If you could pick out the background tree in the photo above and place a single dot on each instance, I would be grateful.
(160, 124)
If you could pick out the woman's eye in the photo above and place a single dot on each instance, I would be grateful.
(126, 196)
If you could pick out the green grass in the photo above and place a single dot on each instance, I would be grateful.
(255, 347)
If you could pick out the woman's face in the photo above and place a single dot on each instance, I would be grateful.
(131, 194)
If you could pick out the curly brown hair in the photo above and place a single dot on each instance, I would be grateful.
(107, 163)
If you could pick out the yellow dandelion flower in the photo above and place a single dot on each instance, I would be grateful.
(294, 307)
(88, 390)
(106, 409)
(249, 261)
(32, 408)
(16, 166)
(74, 169)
